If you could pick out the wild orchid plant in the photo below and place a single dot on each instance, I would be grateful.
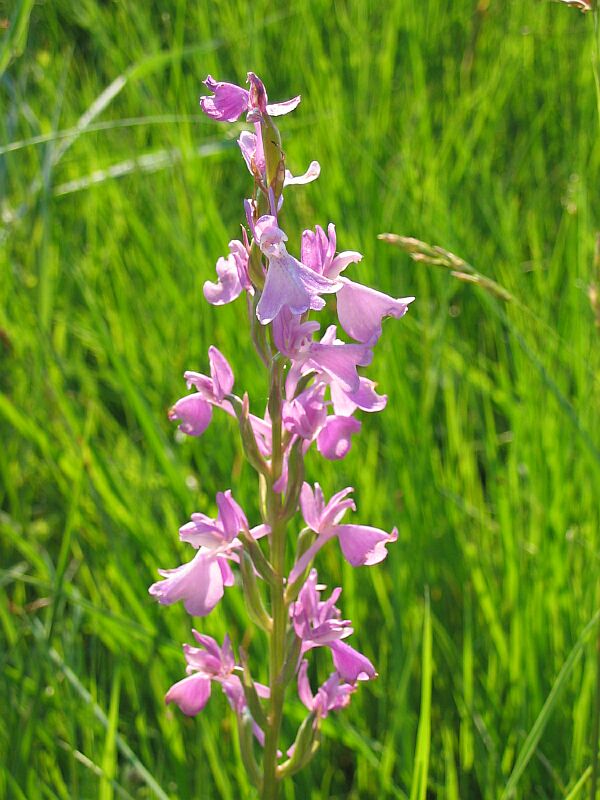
(315, 391)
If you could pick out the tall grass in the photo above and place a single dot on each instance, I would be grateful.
(468, 124)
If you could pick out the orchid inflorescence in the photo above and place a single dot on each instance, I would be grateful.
(315, 391)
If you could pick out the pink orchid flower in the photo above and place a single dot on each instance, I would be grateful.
(318, 623)
(333, 695)
(232, 276)
(318, 252)
(251, 146)
(360, 308)
(362, 545)
(229, 101)
(289, 283)
(194, 411)
(201, 582)
(206, 664)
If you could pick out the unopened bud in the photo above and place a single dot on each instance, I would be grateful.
(254, 603)
(292, 657)
(247, 748)
(295, 479)
(305, 539)
(259, 560)
(274, 157)
(305, 747)
(255, 269)
(258, 331)
(250, 693)
(251, 451)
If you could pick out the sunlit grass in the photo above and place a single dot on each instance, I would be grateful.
(470, 126)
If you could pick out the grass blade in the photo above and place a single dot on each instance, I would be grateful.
(99, 714)
(418, 789)
(535, 734)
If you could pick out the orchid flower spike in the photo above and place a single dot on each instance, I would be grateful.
(315, 387)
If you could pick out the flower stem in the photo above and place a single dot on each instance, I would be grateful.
(270, 789)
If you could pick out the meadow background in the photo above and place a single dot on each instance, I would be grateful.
(471, 125)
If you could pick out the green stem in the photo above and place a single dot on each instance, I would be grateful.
(270, 788)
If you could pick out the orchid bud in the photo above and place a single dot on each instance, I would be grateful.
(259, 560)
(254, 603)
(292, 657)
(250, 693)
(305, 542)
(246, 748)
(274, 157)
(304, 747)
(255, 268)
(251, 451)
(295, 479)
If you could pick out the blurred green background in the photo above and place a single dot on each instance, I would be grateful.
(471, 125)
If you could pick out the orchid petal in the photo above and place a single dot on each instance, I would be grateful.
(339, 362)
(208, 663)
(279, 109)
(309, 508)
(363, 545)
(191, 694)
(259, 531)
(289, 284)
(247, 144)
(228, 286)
(194, 414)
(351, 665)
(231, 516)
(227, 575)
(221, 373)
(362, 309)
(208, 643)
(257, 94)
(199, 583)
(334, 439)
(341, 261)
(311, 174)
(228, 102)
(291, 335)
(269, 235)
(304, 691)
(365, 398)
(202, 383)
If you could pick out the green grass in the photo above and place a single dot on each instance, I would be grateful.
(469, 125)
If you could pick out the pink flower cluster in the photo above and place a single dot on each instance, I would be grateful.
(322, 391)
